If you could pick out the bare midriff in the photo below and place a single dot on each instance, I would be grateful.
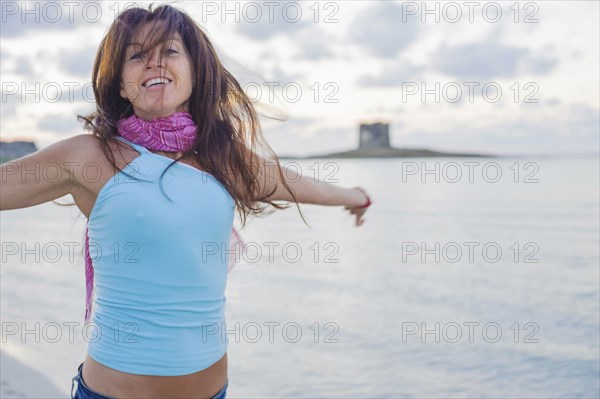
(117, 384)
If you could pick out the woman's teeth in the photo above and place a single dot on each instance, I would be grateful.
(156, 81)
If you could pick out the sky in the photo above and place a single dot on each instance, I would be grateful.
(506, 78)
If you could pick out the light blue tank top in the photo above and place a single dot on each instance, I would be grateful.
(160, 268)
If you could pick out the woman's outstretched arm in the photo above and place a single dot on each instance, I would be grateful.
(308, 191)
(40, 177)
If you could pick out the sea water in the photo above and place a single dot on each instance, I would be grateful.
(471, 277)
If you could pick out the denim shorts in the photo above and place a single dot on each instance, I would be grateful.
(84, 392)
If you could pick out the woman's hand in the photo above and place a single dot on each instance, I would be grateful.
(360, 210)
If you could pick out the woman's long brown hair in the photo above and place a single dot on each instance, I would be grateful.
(229, 132)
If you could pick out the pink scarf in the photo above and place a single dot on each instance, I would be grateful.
(173, 133)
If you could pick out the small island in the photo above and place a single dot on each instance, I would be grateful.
(374, 142)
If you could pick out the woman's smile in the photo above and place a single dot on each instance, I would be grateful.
(156, 81)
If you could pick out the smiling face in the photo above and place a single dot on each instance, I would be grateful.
(157, 83)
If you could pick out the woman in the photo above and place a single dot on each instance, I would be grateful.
(172, 120)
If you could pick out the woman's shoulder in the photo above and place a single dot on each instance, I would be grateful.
(67, 150)
(84, 141)
(84, 148)
(89, 144)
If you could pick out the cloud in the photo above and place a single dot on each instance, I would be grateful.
(279, 75)
(19, 18)
(393, 75)
(380, 29)
(23, 67)
(311, 44)
(80, 93)
(487, 60)
(59, 123)
(307, 136)
(572, 128)
(315, 44)
(79, 62)
(542, 65)
(280, 22)
(553, 101)
(583, 122)
(10, 104)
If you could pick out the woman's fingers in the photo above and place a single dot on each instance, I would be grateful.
(359, 217)
(358, 212)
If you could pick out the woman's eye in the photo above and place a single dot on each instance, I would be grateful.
(140, 56)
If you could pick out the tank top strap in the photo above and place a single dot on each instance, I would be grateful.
(139, 148)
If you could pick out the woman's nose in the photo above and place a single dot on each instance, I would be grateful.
(155, 60)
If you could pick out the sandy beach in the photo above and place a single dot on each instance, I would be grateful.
(17, 380)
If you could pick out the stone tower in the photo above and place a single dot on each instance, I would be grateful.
(374, 135)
